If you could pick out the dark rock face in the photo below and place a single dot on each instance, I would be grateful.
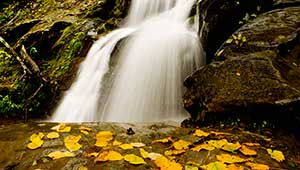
(257, 71)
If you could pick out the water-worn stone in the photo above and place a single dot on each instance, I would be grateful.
(258, 72)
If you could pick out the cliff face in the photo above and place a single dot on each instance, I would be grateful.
(55, 36)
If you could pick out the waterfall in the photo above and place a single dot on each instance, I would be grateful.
(159, 49)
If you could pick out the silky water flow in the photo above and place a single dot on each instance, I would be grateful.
(157, 48)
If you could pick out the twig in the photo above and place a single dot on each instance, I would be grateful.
(25, 68)
(32, 63)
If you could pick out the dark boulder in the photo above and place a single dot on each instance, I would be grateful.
(258, 72)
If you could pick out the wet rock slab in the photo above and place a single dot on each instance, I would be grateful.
(15, 155)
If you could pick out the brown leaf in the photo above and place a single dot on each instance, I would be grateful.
(246, 151)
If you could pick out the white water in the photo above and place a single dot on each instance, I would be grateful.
(160, 50)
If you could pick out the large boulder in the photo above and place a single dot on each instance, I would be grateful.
(257, 71)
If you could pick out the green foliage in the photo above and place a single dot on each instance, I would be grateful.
(7, 13)
(8, 106)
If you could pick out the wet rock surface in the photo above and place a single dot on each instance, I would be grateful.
(14, 139)
(256, 72)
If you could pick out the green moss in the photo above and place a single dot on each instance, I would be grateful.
(8, 107)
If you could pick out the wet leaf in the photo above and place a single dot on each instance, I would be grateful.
(59, 154)
(144, 153)
(116, 143)
(231, 147)
(188, 167)
(255, 166)
(83, 168)
(84, 132)
(133, 159)
(219, 133)
(277, 155)
(226, 158)
(61, 128)
(85, 128)
(71, 143)
(174, 152)
(103, 138)
(165, 164)
(181, 144)
(246, 151)
(36, 141)
(153, 156)
(234, 167)
(218, 143)
(251, 144)
(126, 146)
(53, 135)
(215, 166)
(137, 145)
(204, 146)
(41, 124)
(164, 140)
(93, 154)
(200, 133)
(109, 156)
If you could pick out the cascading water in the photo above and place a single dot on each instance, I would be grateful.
(161, 48)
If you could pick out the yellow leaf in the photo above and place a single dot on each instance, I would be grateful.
(61, 128)
(231, 147)
(164, 140)
(226, 158)
(234, 167)
(53, 135)
(59, 154)
(277, 155)
(218, 143)
(215, 166)
(165, 164)
(203, 146)
(181, 144)
(93, 154)
(83, 168)
(188, 167)
(109, 156)
(258, 166)
(153, 156)
(174, 152)
(85, 128)
(219, 133)
(126, 146)
(137, 145)
(133, 159)
(71, 143)
(103, 138)
(246, 151)
(41, 124)
(116, 143)
(36, 141)
(200, 133)
(144, 153)
(84, 132)
(229, 41)
(251, 144)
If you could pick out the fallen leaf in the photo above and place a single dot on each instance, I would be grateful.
(59, 154)
(133, 159)
(85, 128)
(217, 143)
(153, 156)
(144, 153)
(203, 146)
(53, 135)
(226, 158)
(251, 144)
(246, 151)
(231, 147)
(83, 168)
(71, 143)
(219, 133)
(103, 138)
(200, 133)
(181, 144)
(234, 167)
(255, 166)
(126, 146)
(174, 152)
(215, 166)
(137, 145)
(36, 141)
(61, 128)
(116, 143)
(93, 154)
(84, 132)
(41, 124)
(277, 155)
(165, 164)
(109, 156)
(164, 140)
